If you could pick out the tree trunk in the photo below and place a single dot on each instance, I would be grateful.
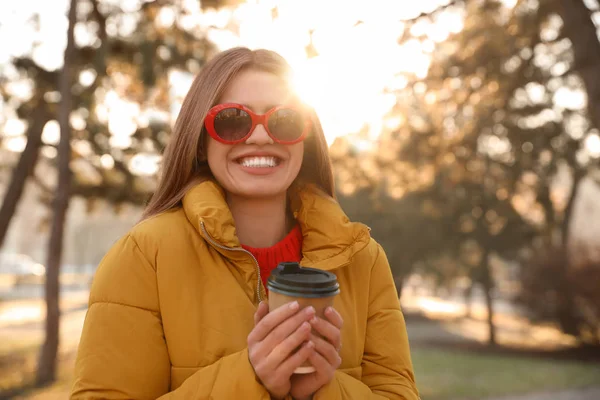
(47, 364)
(468, 299)
(487, 281)
(546, 202)
(580, 29)
(567, 311)
(568, 214)
(399, 285)
(22, 171)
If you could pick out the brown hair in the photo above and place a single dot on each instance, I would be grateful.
(184, 162)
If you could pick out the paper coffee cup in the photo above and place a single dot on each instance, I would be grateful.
(308, 286)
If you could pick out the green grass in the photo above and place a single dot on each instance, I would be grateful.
(444, 374)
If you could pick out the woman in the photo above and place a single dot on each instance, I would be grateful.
(177, 306)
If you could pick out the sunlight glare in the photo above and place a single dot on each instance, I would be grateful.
(51, 132)
(358, 57)
(145, 164)
(14, 127)
(21, 313)
(509, 3)
(122, 116)
(166, 17)
(87, 77)
(357, 60)
(120, 141)
(592, 144)
(435, 306)
(16, 144)
(571, 99)
(107, 162)
(21, 89)
(49, 152)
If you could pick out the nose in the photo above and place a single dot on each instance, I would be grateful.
(259, 136)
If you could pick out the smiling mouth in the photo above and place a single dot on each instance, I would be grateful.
(259, 162)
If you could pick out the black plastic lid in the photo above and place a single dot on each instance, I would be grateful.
(291, 279)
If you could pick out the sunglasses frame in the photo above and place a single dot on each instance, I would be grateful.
(257, 119)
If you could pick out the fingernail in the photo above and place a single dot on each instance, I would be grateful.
(310, 310)
(294, 305)
(329, 310)
(310, 344)
(305, 326)
(314, 320)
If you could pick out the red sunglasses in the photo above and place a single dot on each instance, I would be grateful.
(233, 123)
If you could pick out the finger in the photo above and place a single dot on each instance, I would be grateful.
(322, 366)
(287, 367)
(334, 317)
(283, 350)
(271, 320)
(261, 312)
(328, 351)
(287, 327)
(328, 331)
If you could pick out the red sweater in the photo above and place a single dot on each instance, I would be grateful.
(288, 249)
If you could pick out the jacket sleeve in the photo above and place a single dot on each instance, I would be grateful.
(387, 371)
(123, 353)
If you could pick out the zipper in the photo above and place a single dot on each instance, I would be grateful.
(220, 246)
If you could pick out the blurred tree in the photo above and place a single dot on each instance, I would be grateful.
(113, 106)
(579, 27)
(46, 372)
(482, 138)
(543, 295)
(405, 230)
(123, 72)
(23, 169)
(515, 110)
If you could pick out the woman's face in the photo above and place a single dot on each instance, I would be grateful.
(258, 167)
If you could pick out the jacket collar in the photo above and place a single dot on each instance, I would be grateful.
(330, 239)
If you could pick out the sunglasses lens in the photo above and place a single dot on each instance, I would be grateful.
(286, 124)
(232, 124)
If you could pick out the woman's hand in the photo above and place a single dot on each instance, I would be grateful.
(326, 359)
(272, 342)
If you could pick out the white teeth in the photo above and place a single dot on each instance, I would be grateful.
(259, 162)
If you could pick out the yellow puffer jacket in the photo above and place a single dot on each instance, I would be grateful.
(173, 301)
